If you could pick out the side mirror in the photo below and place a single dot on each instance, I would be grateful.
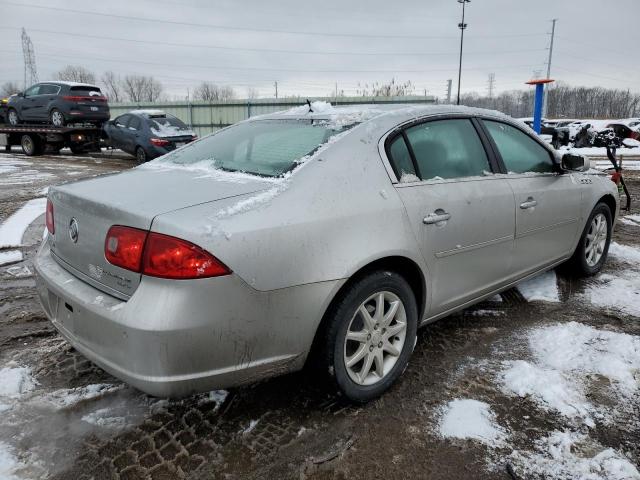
(571, 161)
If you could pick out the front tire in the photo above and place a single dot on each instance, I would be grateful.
(12, 117)
(591, 252)
(370, 335)
(57, 118)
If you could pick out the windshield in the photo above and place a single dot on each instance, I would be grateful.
(266, 147)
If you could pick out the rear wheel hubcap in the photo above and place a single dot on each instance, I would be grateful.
(375, 338)
(13, 117)
(56, 118)
(596, 240)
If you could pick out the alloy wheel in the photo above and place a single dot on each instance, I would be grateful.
(375, 338)
(596, 239)
(13, 117)
(57, 119)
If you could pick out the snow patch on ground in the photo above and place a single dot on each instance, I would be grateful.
(470, 419)
(570, 455)
(10, 256)
(69, 397)
(619, 293)
(15, 381)
(625, 253)
(252, 424)
(104, 418)
(544, 287)
(9, 464)
(12, 229)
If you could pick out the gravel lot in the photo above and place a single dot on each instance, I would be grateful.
(67, 419)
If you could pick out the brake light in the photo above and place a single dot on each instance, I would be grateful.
(158, 255)
(158, 142)
(78, 98)
(170, 257)
(123, 247)
(49, 217)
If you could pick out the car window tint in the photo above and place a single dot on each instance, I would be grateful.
(401, 162)
(32, 91)
(447, 149)
(85, 91)
(48, 89)
(520, 153)
(134, 123)
(122, 120)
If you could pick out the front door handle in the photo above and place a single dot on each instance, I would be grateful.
(437, 217)
(529, 203)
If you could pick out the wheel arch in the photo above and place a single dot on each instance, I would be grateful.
(401, 265)
(610, 202)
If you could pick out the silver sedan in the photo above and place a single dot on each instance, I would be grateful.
(301, 238)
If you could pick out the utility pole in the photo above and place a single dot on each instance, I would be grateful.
(490, 84)
(553, 34)
(30, 72)
(336, 94)
(276, 85)
(462, 27)
(449, 83)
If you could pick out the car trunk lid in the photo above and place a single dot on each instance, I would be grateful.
(133, 199)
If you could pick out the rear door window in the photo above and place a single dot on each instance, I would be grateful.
(134, 123)
(401, 161)
(447, 149)
(49, 90)
(520, 153)
(122, 120)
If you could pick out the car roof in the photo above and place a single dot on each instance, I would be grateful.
(148, 112)
(70, 84)
(378, 116)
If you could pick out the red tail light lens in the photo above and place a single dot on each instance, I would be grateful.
(78, 98)
(159, 255)
(49, 218)
(158, 142)
(170, 257)
(123, 247)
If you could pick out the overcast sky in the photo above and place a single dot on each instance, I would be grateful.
(309, 46)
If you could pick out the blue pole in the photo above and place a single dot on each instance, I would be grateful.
(537, 108)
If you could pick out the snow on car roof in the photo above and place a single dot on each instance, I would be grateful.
(71, 84)
(148, 112)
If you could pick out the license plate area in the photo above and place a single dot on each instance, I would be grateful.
(94, 109)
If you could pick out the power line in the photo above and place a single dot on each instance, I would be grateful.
(266, 50)
(251, 29)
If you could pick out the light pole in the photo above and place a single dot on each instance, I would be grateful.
(461, 26)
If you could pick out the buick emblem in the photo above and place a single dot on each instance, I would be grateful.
(73, 230)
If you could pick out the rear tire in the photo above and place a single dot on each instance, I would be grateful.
(12, 117)
(77, 150)
(31, 145)
(370, 335)
(57, 118)
(593, 247)
(141, 155)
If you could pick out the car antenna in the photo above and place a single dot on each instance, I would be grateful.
(309, 104)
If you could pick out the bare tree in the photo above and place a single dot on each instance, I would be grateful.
(112, 86)
(9, 88)
(76, 73)
(140, 88)
(252, 93)
(388, 89)
(211, 92)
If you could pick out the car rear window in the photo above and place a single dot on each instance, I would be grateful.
(167, 126)
(264, 147)
(87, 91)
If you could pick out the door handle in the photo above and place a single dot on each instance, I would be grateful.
(529, 203)
(439, 216)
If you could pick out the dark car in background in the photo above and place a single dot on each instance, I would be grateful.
(58, 103)
(147, 134)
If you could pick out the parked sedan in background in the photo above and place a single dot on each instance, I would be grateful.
(147, 134)
(58, 103)
(322, 238)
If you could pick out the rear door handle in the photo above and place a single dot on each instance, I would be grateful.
(439, 216)
(529, 203)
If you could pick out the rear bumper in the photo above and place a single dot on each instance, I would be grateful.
(77, 114)
(174, 338)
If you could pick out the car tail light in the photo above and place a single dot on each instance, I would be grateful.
(158, 142)
(78, 98)
(170, 257)
(123, 247)
(158, 255)
(49, 218)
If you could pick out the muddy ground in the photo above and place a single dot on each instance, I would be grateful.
(290, 427)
